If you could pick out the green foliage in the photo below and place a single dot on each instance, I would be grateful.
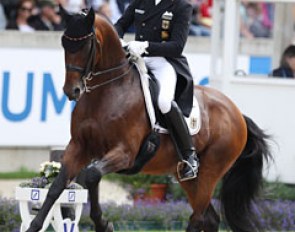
(175, 192)
(277, 190)
(22, 173)
(139, 181)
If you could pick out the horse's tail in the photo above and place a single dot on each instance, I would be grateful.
(243, 181)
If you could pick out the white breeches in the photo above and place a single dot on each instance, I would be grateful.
(166, 76)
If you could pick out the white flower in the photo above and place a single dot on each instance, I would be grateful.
(56, 164)
(43, 165)
(47, 173)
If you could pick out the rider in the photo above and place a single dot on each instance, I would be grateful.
(161, 31)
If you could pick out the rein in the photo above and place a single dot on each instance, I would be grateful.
(87, 73)
(89, 88)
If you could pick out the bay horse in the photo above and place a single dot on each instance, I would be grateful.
(109, 124)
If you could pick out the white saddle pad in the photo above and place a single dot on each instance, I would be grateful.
(193, 121)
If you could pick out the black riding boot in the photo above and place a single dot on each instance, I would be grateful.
(188, 167)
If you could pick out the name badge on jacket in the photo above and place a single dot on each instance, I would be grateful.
(166, 23)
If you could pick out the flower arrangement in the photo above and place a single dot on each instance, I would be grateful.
(47, 173)
(50, 169)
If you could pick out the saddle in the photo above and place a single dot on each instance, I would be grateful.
(150, 88)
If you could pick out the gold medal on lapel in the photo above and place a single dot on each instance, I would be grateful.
(164, 35)
(165, 24)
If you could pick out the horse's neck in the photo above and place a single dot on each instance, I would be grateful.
(111, 51)
(111, 57)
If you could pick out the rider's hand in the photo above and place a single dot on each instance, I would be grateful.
(138, 48)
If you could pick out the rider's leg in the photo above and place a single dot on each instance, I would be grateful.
(166, 76)
(180, 134)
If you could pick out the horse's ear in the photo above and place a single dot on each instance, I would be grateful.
(90, 17)
(64, 14)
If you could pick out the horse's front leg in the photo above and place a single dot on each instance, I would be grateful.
(72, 164)
(113, 161)
(57, 187)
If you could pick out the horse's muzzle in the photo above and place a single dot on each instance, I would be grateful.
(74, 93)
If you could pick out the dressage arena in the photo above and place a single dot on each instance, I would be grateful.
(35, 113)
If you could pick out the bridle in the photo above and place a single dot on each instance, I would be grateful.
(88, 73)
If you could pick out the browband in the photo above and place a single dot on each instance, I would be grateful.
(79, 38)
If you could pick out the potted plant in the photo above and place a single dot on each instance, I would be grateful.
(158, 188)
(151, 188)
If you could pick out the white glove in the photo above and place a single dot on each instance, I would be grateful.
(137, 48)
(123, 43)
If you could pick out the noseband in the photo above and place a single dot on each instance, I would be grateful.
(88, 73)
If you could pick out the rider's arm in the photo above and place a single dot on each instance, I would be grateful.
(179, 33)
(126, 19)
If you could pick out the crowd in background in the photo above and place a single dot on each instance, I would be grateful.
(31, 15)
(256, 19)
(34, 15)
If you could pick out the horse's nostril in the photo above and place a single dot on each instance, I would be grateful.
(77, 91)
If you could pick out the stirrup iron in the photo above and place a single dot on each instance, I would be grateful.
(180, 167)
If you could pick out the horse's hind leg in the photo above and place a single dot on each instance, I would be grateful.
(93, 177)
(204, 218)
(199, 192)
(211, 219)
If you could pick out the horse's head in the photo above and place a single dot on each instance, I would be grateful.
(80, 44)
(92, 49)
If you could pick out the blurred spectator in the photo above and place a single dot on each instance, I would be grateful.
(287, 64)
(74, 6)
(47, 19)
(2, 18)
(267, 11)
(24, 12)
(95, 4)
(206, 7)
(115, 10)
(251, 21)
(105, 10)
(197, 27)
(10, 8)
(112, 9)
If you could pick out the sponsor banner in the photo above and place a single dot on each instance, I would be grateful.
(34, 109)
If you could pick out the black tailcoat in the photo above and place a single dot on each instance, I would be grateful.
(165, 26)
